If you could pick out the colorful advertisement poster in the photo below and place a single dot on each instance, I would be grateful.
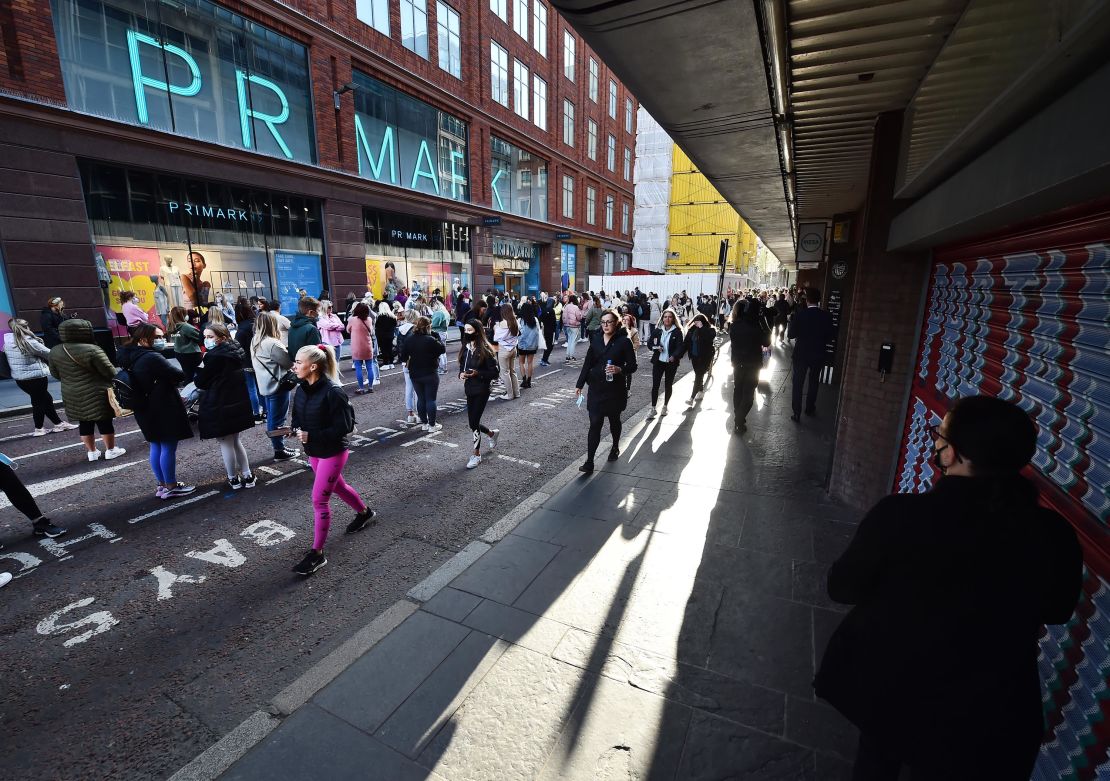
(298, 273)
(385, 276)
(189, 277)
(6, 308)
(568, 265)
(134, 269)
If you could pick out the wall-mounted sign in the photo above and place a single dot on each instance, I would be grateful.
(214, 211)
(808, 266)
(194, 69)
(811, 242)
(408, 143)
(562, 236)
(491, 221)
(839, 269)
(512, 248)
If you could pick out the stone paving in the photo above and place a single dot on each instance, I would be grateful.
(659, 619)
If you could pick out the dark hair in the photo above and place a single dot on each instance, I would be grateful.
(528, 314)
(997, 436)
(243, 311)
(307, 304)
(143, 332)
(125, 296)
(509, 316)
(481, 342)
(361, 311)
(813, 295)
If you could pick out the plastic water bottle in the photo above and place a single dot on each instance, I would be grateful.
(609, 377)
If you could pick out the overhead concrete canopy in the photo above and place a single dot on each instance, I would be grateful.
(697, 66)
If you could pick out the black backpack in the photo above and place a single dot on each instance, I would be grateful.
(128, 393)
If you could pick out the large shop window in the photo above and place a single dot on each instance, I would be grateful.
(406, 255)
(518, 180)
(398, 137)
(188, 67)
(177, 241)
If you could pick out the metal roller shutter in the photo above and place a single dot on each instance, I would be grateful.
(1026, 316)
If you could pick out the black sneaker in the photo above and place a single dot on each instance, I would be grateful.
(234, 483)
(614, 454)
(285, 454)
(587, 467)
(44, 528)
(249, 481)
(365, 518)
(311, 562)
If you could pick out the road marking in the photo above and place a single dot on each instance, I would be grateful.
(431, 437)
(519, 461)
(67, 447)
(548, 374)
(266, 470)
(60, 483)
(287, 474)
(173, 506)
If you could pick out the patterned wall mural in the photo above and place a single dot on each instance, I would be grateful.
(1032, 324)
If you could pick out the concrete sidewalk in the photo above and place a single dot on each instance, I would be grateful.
(661, 618)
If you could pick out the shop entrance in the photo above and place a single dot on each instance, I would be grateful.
(512, 282)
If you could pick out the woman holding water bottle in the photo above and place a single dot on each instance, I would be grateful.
(608, 361)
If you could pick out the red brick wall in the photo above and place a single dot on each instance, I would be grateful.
(886, 301)
(338, 43)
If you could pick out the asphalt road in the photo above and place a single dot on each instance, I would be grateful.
(153, 628)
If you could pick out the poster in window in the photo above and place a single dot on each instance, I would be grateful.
(137, 270)
(298, 274)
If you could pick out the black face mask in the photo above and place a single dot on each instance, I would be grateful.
(936, 459)
(467, 337)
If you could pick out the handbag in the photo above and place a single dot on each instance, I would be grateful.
(113, 402)
(541, 341)
(286, 382)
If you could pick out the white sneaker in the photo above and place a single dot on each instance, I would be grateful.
(425, 427)
(5, 578)
(64, 426)
(664, 412)
(377, 382)
(413, 419)
(491, 440)
(114, 452)
(652, 414)
(690, 402)
(94, 455)
(434, 427)
(39, 432)
(473, 462)
(699, 395)
(507, 397)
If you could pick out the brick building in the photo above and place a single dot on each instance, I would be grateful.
(255, 147)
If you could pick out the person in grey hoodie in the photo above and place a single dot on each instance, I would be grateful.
(27, 356)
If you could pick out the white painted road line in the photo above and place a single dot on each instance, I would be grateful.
(287, 474)
(173, 506)
(67, 447)
(431, 438)
(267, 470)
(519, 461)
(60, 483)
(548, 374)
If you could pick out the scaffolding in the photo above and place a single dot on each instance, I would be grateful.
(651, 219)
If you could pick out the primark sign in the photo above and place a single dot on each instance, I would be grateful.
(184, 72)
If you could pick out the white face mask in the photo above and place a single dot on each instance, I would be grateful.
(209, 343)
(159, 344)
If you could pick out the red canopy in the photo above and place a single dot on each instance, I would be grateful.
(633, 271)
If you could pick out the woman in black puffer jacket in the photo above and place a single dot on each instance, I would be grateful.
(323, 417)
(225, 408)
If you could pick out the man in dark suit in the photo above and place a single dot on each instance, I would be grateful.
(811, 329)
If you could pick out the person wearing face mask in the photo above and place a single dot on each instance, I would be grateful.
(227, 309)
(225, 406)
(477, 369)
(159, 410)
(699, 346)
(666, 351)
(53, 315)
(609, 359)
(976, 558)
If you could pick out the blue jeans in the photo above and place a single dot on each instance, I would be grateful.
(163, 462)
(252, 391)
(426, 387)
(277, 407)
(410, 392)
(360, 368)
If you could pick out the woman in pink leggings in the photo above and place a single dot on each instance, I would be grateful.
(323, 417)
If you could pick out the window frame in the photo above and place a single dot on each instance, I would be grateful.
(611, 153)
(610, 207)
(591, 140)
(441, 27)
(539, 27)
(500, 9)
(495, 66)
(568, 122)
(568, 197)
(627, 164)
(521, 20)
(594, 80)
(591, 205)
(613, 98)
(521, 97)
(411, 17)
(570, 48)
(629, 113)
(539, 105)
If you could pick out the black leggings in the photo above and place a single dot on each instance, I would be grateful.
(18, 494)
(593, 439)
(189, 363)
(42, 403)
(475, 406)
(549, 337)
(745, 379)
(658, 371)
(699, 379)
(85, 427)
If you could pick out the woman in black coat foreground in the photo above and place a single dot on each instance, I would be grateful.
(225, 407)
(610, 357)
(159, 410)
(937, 661)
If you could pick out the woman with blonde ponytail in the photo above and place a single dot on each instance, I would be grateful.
(323, 418)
